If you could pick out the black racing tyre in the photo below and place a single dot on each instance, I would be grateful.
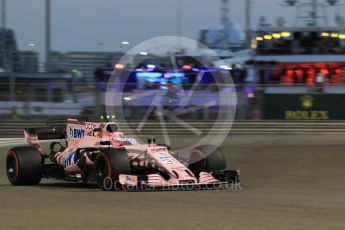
(24, 166)
(206, 158)
(108, 165)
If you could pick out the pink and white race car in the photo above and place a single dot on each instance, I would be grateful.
(97, 152)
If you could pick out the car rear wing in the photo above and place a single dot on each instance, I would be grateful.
(56, 122)
(64, 122)
(33, 135)
(47, 133)
(55, 128)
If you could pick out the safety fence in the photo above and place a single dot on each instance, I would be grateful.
(15, 128)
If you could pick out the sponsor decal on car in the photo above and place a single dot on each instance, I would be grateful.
(128, 179)
(76, 133)
(90, 125)
(71, 159)
(159, 149)
(167, 158)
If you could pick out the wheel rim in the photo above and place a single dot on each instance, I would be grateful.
(12, 167)
(103, 170)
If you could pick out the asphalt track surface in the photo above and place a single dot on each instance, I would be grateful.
(289, 182)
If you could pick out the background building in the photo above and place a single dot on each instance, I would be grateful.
(9, 59)
(214, 39)
(56, 62)
(230, 37)
(85, 62)
(28, 61)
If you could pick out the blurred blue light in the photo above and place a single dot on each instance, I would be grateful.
(249, 89)
(149, 74)
(150, 66)
(225, 67)
(172, 74)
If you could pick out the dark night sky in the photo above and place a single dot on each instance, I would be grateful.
(93, 25)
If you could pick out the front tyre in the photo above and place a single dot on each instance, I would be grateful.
(206, 158)
(109, 164)
(24, 166)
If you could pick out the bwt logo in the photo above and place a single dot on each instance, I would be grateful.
(76, 133)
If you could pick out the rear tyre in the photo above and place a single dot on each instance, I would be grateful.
(206, 158)
(109, 164)
(24, 166)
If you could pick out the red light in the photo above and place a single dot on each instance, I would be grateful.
(324, 72)
(289, 77)
(187, 67)
(119, 66)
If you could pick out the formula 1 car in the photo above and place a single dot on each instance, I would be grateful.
(97, 152)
